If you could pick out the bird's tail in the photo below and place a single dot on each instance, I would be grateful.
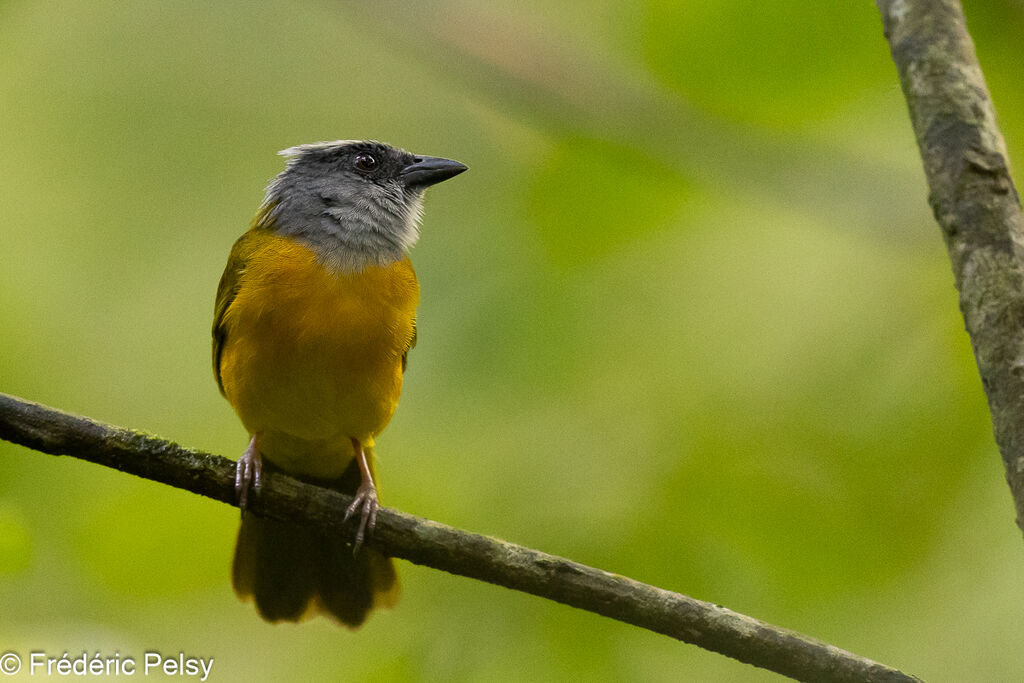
(292, 571)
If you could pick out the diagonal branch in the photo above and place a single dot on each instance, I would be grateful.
(973, 199)
(436, 545)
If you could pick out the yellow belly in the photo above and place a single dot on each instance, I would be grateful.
(313, 359)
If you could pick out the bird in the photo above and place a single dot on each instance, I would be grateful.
(314, 319)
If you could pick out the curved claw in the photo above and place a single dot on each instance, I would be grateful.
(366, 498)
(248, 473)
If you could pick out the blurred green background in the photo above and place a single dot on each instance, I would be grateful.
(687, 318)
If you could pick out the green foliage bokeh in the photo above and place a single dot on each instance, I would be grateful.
(687, 318)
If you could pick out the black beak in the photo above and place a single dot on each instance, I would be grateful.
(427, 171)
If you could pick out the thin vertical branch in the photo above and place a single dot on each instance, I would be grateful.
(973, 199)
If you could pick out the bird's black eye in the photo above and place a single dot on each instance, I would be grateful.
(366, 162)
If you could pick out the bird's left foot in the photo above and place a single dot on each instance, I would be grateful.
(248, 473)
(366, 498)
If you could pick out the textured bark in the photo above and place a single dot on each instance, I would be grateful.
(974, 201)
(436, 545)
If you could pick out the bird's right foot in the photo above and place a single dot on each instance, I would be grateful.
(248, 473)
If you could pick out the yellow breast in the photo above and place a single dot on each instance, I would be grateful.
(312, 358)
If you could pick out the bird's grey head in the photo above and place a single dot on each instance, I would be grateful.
(355, 203)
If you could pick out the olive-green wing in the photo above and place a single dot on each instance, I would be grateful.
(230, 282)
(412, 345)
